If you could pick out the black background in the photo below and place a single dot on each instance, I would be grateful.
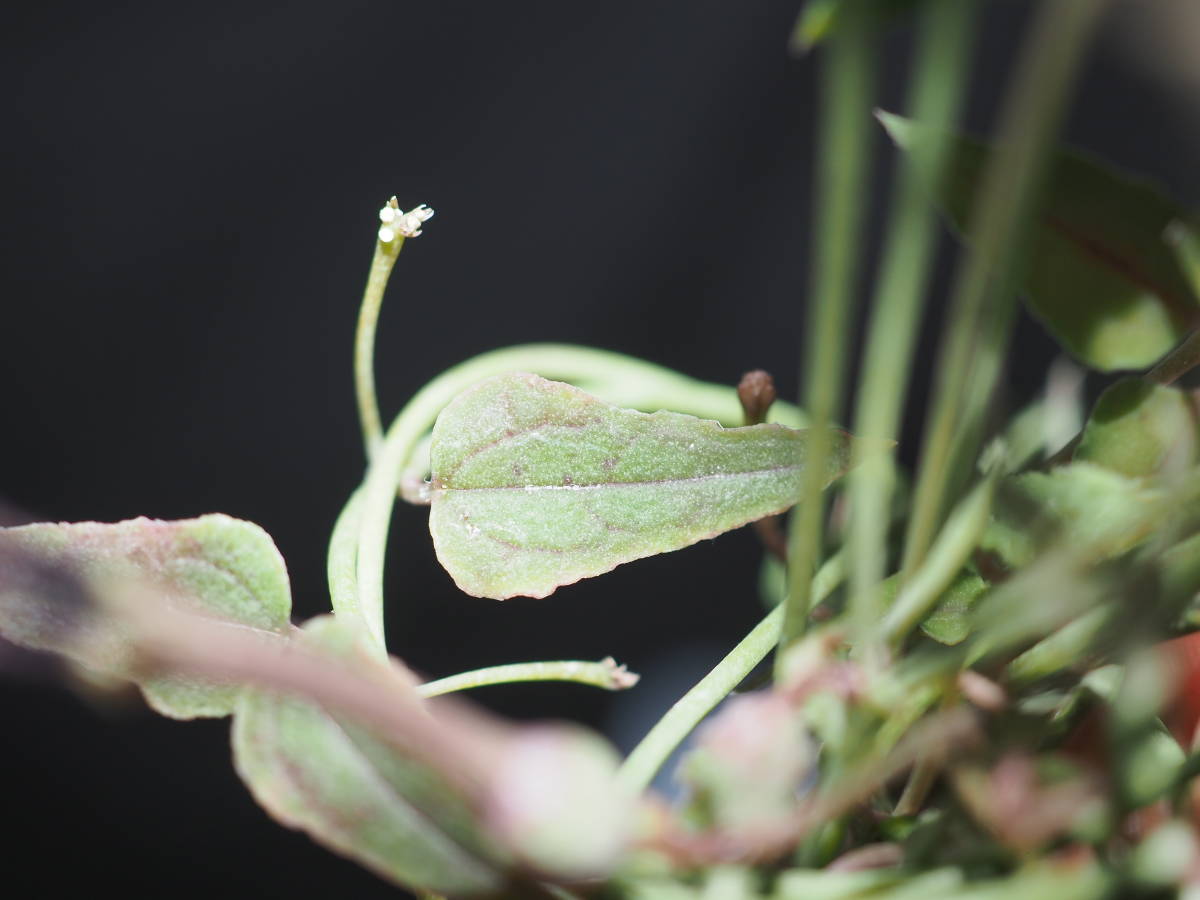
(190, 198)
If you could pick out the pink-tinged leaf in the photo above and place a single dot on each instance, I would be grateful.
(215, 566)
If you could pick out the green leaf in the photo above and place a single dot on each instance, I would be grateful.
(1139, 428)
(1149, 768)
(537, 484)
(819, 19)
(214, 565)
(1101, 277)
(950, 622)
(1099, 513)
(1071, 645)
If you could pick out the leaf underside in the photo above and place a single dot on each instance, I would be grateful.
(537, 484)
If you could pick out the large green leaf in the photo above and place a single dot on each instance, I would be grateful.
(537, 484)
(214, 565)
(1101, 275)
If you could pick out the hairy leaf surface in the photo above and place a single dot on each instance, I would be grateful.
(537, 484)
(213, 565)
(1102, 277)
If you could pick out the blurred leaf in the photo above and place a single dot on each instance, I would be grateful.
(1140, 428)
(537, 484)
(659, 889)
(749, 761)
(819, 18)
(214, 566)
(1183, 236)
(808, 884)
(1022, 807)
(354, 793)
(1101, 277)
(1167, 857)
(460, 805)
(554, 802)
(1070, 646)
(1149, 768)
(1099, 513)
(950, 622)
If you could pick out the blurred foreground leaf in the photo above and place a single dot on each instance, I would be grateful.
(537, 484)
(461, 804)
(950, 622)
(1097, 512)
(354, 793)
(1101, 275)
(1139, 428)
(214, 566)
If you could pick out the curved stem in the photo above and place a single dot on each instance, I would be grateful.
(605, 674)
(364, 341)
(342, 563)
(660, 742)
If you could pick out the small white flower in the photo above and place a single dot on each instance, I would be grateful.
(397, 223)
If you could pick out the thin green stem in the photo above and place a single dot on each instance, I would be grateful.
(842, 175)
(609, 374)
(983, 296)
(605, 674)
(660, 742)
(944, 41)
(364, 340)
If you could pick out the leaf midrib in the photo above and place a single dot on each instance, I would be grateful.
(647, 482)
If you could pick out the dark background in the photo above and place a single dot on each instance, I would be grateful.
(190, 196)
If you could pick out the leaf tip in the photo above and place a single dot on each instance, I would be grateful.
(898, 128)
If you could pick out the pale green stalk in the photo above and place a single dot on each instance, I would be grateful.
(843, 176)
(364, 341)
(983, 296)
(342, 562)
(941, 55)
(660, 742)
(605, 674)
